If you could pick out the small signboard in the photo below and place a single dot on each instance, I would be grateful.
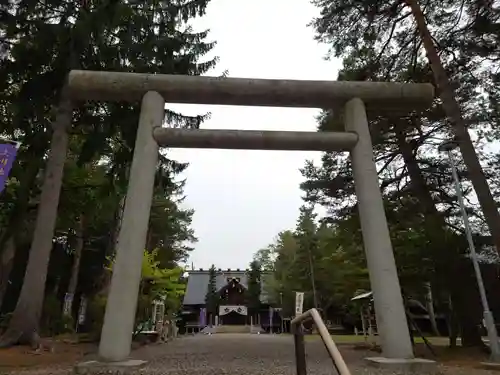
(68, 300)
(82, 310)
(299, 302)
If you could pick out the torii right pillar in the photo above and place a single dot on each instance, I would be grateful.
(389, 308)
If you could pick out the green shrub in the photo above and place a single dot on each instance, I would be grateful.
(53, 320)
(95, 315)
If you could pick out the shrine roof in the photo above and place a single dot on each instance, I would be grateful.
(197, 285)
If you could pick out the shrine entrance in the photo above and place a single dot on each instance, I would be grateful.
(350, 102)
(232, 308)
(233, 315)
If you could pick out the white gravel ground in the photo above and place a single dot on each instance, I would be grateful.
(245, 354)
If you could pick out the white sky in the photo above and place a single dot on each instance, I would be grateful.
(242, 199)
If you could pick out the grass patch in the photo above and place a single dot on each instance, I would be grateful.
(353, 339)
(462, 357)
(338, 339)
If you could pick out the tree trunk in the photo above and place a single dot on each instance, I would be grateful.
(106, 275)
(446, 262)
(7, 261)
(453, 112)
(75, 269)
(452, 324)
(467, 305)
(24, 324)
(430, 309)
(149, 239)
(313, 281)
(17, 220)
(418, 183)
(119, 218)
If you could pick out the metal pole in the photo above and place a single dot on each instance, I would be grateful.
(488, 317)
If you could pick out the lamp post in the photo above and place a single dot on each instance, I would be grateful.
(489, 321)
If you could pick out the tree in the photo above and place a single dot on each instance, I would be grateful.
(384, 44)
(254, 288)
(384, 38)
(282, 283)
(265, 257)
(453, 111)
(165, 283)
(338, 264)
(211, 297)
(90, 36)
(169, 226)
(24, 323)
(157, 284)
(305, 234)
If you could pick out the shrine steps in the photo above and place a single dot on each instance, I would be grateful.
(232, 329)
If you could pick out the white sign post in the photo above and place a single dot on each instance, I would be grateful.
(82, 310)
(299, 303)
(68, 300)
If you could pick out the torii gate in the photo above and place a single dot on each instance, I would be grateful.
(352, 99)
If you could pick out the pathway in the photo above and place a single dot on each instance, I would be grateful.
(244, 354)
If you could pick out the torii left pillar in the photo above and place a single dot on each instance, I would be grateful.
(116, 335)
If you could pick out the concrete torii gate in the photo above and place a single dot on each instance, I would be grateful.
(352, 99)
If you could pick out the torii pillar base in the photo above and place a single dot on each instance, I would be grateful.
(404, 366)
(97, 367)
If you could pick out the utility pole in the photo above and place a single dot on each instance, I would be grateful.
(489, 321)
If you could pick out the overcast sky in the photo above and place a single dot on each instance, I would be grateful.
(242, 199)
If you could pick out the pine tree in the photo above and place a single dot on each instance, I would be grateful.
(391, 41)
(94, 36)
(254, 288)
(211, 298)
(305, 235)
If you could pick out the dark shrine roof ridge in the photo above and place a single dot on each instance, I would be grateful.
(222, 271)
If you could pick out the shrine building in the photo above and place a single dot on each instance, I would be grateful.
(231, 287)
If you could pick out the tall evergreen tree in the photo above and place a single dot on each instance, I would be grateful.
(211, 298)
(254, 275)
(306, 238)
(265, 257)
(386, 42)
(86, 35)
(383, 40)
(285, 281)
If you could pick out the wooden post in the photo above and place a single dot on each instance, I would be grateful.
(300, 350)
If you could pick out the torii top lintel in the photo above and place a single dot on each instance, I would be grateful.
(377, 96)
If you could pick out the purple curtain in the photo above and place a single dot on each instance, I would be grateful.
(271, 313)
(203, 317)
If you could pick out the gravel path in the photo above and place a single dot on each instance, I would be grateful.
(245, 354)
